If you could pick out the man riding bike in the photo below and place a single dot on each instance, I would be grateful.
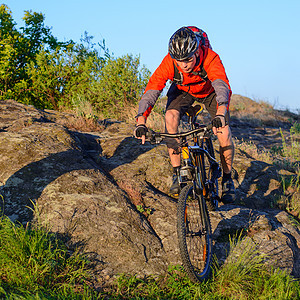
(198, 75)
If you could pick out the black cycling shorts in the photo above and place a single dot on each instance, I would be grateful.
(181, 101)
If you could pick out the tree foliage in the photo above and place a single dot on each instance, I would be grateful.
(19, 48)
(35, 68)
(10, 52)
(57, 76)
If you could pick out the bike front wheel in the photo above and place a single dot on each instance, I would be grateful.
(194, 234)
(210, 174)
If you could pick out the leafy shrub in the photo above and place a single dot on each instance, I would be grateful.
(19, 48)
(295, 129)
(37, 69)
(245, 275)
(121, 84)
(56, 77)
(291, 150)
(291, 193)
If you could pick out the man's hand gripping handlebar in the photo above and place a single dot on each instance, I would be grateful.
(157, 137)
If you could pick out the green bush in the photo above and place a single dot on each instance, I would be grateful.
(295, 129)
(19, 48)
(121, 84)
(58, 76)
(34, 264)
(244, 275)
(291, 150)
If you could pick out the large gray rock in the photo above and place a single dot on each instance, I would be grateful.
(42, 162)
(106, 194)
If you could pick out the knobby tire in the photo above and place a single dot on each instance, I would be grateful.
(194, 234)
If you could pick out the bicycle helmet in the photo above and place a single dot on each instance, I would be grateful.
(183, 44)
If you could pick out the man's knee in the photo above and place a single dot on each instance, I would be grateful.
(172, 119)
(172, 115)
(224, 136)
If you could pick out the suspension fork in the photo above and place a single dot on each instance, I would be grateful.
(199, 175)
(201, 203)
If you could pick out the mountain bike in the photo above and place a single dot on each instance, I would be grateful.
(198, 179)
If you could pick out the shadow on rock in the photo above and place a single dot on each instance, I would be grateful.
(28, 183)
(260, 187)
(127, 151)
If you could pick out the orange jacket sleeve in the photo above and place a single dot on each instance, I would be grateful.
(156, 83)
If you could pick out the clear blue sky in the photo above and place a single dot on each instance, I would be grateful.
(258, 41)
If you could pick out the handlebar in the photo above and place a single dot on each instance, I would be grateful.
(157, 137)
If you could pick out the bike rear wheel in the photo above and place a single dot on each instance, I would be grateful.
(194, 234)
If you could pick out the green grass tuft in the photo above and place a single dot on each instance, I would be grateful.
(34, 264)
(245, 275)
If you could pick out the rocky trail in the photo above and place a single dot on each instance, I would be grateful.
(106, 194)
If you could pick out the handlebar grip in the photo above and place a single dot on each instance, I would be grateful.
(149, 134)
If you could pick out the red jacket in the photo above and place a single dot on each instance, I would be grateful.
(193, 84)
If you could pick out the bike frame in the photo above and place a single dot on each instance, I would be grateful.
(192, 169)
(193, 154)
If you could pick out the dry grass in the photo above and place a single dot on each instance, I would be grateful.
(259, 113)
(128, 115)
(83, 124)
(156, 120)
(134, 195)
(252, 150)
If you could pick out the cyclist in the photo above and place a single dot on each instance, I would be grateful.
(198, 75)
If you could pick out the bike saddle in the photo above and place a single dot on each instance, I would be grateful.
(193, 111)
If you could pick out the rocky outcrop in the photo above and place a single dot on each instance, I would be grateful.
(106, 194)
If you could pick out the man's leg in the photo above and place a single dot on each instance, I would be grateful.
(178, 104)
(226, 157)
(172, 118)
(226, 151)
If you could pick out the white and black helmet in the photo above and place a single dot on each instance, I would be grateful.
(183, 44)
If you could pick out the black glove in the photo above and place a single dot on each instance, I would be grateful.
(219, 121)
(140, 130)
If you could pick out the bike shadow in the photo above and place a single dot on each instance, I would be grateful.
(111, 153)
(127, 151)
(260, 187)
